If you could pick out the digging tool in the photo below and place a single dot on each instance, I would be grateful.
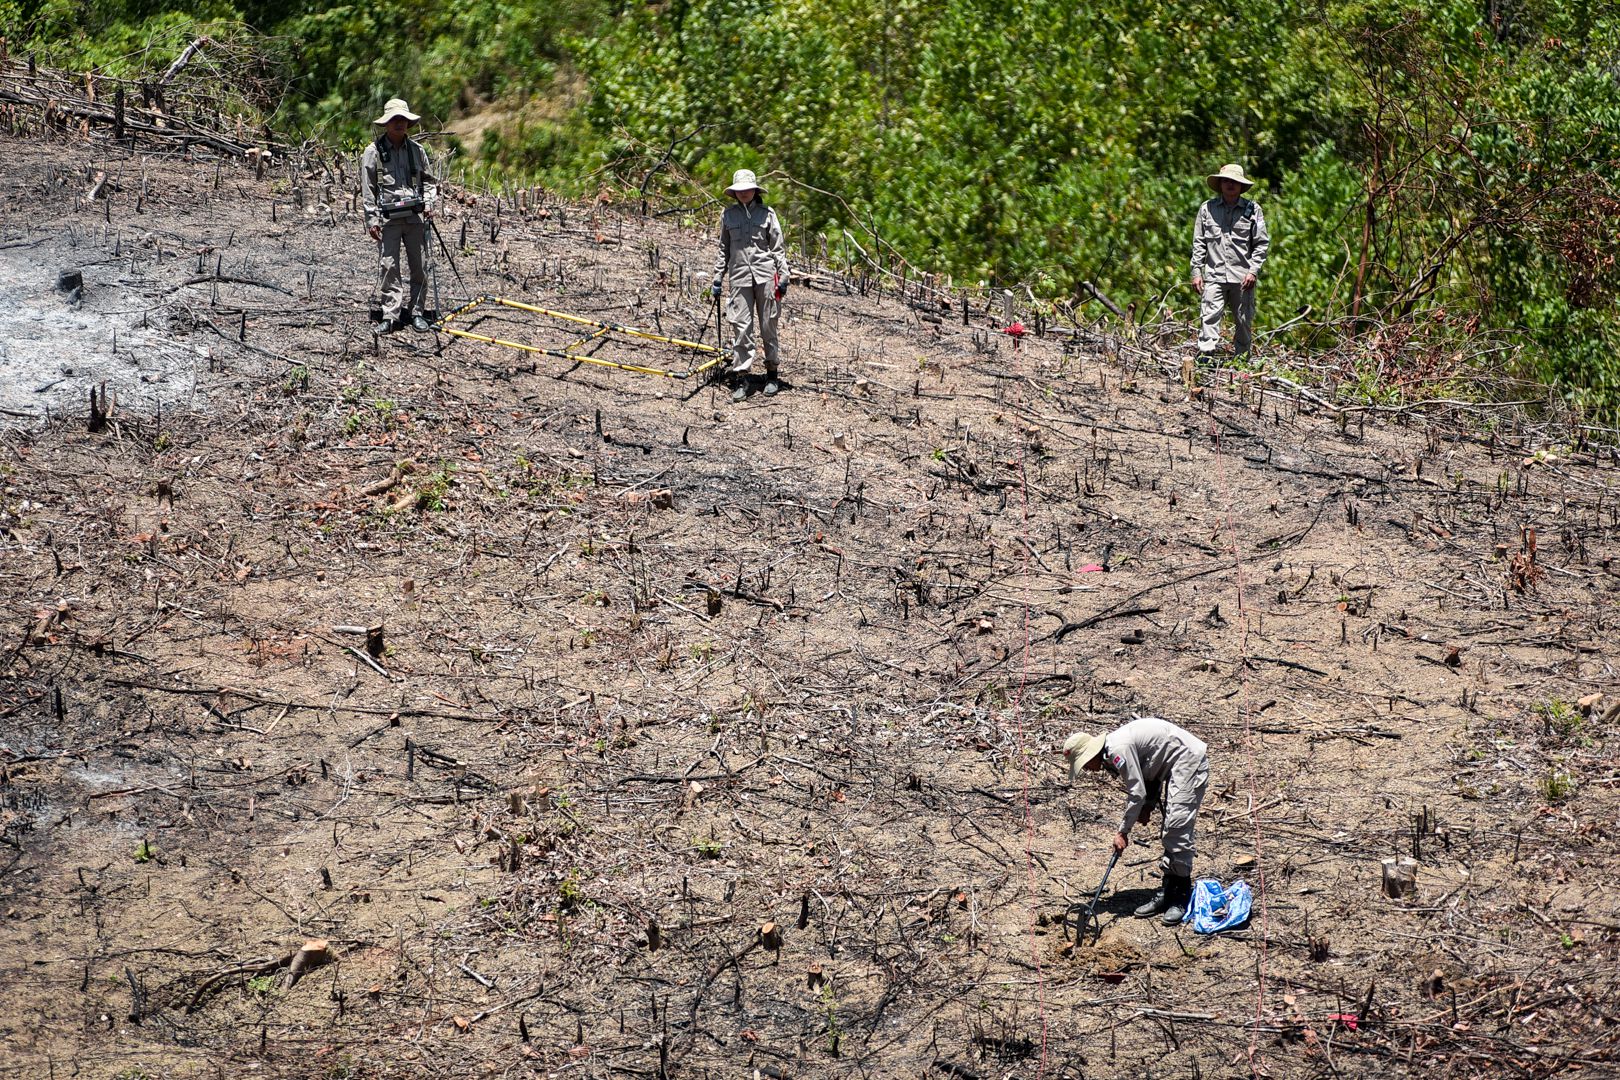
(1090, 918)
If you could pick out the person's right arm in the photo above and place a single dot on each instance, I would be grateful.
(724, 258)
(368, 190)
(1198, 247)
(1136, 790)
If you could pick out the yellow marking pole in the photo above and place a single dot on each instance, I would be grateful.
(602, 329)
(580, 359)
(586, 340)
(632, 331)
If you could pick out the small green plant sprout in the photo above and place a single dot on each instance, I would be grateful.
(829, 1004)
(145, 851)
(707, 847)
(434, 495)
(262, 984)
(569, 894)
(1555, 785)
(1559, 717)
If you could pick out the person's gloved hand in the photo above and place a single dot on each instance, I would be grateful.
(781, 289)
(714, 290)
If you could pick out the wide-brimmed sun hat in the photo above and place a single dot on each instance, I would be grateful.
(743, 180)
(396, 107)
(1080, 748)
(1229, 172)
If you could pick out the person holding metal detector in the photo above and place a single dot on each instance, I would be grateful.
(1159, 764)
(399, 190)
(753, 257)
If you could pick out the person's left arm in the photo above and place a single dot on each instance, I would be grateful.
(1260, 243)
(778, 254)
(430, 184)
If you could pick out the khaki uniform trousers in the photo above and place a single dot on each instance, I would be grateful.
(1183, 796)
(410, 239)
(1220, 297)
(751, 309)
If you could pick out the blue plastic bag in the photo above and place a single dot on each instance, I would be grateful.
(1214, 908)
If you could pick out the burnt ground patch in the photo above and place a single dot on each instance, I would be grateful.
(655, 671)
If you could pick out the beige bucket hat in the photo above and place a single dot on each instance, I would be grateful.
(1229, 172)
(396, 107)
(743, 180)
(1080, 748)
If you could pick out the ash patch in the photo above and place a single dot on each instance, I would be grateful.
(56, 346)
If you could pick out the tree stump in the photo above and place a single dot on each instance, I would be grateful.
(1400, 878)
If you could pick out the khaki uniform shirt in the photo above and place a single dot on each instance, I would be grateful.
(397, 176)
(750, 245)
(1229, 242)
(1143, 754)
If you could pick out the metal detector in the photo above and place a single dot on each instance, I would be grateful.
(1089, 918)
(451, 259)
(433, 274)
(374, 309)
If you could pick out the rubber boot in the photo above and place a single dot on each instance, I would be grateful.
(1178, 895)
(1155, 903)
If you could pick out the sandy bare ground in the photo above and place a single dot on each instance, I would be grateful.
(656, 670)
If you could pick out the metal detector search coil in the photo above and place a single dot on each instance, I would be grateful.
(600, 331)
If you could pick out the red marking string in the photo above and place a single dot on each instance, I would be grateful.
(1018, 727)
(1248, 748)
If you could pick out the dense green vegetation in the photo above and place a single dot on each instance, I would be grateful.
(1450, 166)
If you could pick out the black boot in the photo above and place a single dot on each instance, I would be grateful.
(1155, 903)
(1178, 896)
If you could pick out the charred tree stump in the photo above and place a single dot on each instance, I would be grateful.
(100, 408)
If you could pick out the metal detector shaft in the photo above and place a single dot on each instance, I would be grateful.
(452, 259)
(433, 270)
(1091, 909)
(375, 308)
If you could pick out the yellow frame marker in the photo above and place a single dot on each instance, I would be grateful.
(602, 329)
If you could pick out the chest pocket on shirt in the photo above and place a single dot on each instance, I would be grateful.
(1243, 228)
(756, 234)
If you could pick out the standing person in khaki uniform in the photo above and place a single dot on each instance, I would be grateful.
(1159, 764)
(752, 256)
(399, 190)
(1228, 248)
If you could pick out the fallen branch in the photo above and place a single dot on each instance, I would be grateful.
(1083, 624)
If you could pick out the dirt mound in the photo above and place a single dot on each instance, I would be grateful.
(541, 818)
